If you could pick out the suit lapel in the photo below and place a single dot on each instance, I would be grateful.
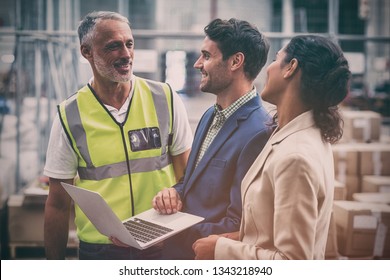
(254, 170)
(231, 125)
(199, 136)
(228, 128)
(301, 122)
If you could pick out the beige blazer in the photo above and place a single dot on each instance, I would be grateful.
(287, 197)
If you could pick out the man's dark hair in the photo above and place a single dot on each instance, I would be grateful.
(234, 36)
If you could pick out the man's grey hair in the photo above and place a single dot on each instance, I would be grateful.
(87, 25)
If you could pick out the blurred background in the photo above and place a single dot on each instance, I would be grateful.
(40, 62)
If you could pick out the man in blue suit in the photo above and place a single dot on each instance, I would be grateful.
(228, 138)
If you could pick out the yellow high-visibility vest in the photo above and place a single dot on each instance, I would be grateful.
(127, 163)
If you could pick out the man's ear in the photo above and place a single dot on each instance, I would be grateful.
(85, 51)
(291, 68)
(237, 60)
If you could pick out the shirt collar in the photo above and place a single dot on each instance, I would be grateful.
(227, 112)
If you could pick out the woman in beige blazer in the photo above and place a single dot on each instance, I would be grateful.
(287, 194)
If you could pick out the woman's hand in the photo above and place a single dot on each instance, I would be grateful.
(204, 248)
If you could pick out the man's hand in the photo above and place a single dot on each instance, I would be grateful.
(117, 242)
(167, 201)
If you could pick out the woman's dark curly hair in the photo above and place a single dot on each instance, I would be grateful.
(324, 81)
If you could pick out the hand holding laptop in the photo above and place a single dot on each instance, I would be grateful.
(117, 242)
(167, 201)
(140, 231)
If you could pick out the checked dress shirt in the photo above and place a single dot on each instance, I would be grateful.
(220, 117)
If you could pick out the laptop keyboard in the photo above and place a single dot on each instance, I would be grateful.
(145, 231)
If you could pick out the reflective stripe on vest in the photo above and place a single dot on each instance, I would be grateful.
(120, 168)
(90, 172)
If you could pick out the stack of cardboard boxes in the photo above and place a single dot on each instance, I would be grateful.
(361, 212)
(26, 221)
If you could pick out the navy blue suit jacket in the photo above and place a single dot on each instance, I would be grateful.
(213, 188)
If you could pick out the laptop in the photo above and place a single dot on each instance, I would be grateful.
(140, 231)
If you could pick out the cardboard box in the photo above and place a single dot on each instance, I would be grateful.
(361, 126)
(362, 159)
(26, 221)
(372, 197)
(372, 183)
(385, 138)
(340, 191)
(375, 159)
(346, 159)
(352, 184)
(352, 161)
(362, 228)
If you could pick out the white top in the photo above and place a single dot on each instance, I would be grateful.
(61, 160)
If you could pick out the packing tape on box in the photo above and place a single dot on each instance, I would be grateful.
(365, 125)
(377, 162)
(384, 189)
(365, 222)
(342, 172)
(380, 236)
(380, 239)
